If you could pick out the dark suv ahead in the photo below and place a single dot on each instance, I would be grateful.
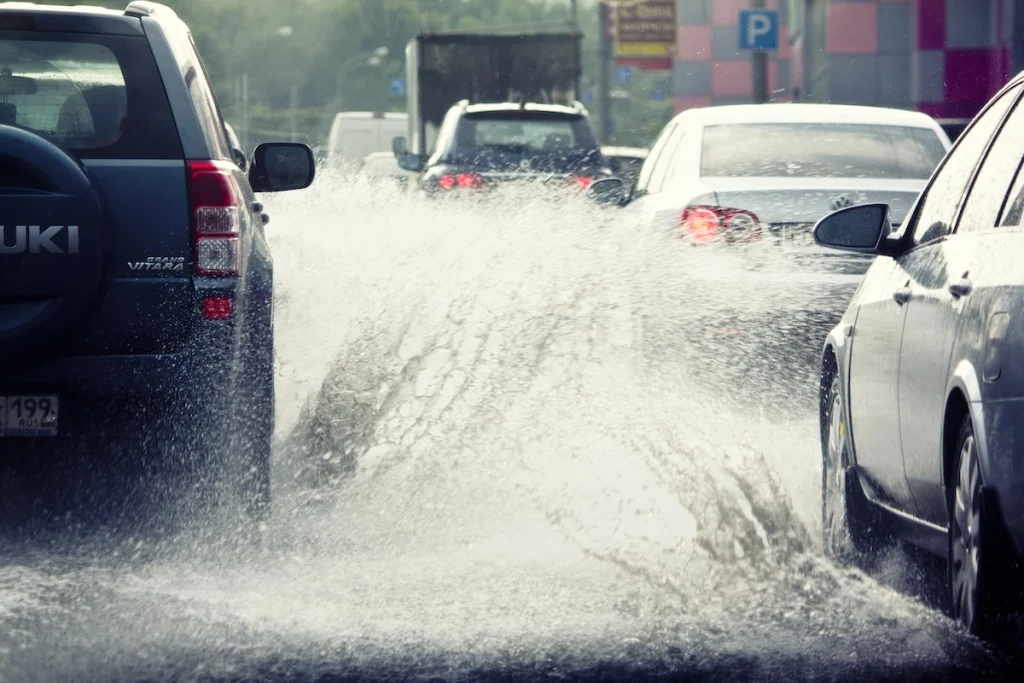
(136, 288)
(484, 146)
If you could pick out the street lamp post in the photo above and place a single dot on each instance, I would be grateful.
(243, 92)
(293, 93)
(365, 59)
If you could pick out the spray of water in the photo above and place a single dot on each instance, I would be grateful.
(506, 434)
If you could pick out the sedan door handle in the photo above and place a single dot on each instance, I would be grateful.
(902, 295)
(961, 287)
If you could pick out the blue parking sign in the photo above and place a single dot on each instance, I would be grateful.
(759, 29)
(398, 87)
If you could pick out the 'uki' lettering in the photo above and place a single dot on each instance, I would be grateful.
(18, 239)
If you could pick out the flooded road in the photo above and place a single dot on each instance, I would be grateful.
(499, 451)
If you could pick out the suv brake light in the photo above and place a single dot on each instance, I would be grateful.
(450, 181)
(582, 182)
(216, 208)
(706, 224)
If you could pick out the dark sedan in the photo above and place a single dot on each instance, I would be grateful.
(922, 391)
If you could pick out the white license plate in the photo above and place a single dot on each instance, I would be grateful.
(28, 415)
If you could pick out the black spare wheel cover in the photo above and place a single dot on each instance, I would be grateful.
(53, 247)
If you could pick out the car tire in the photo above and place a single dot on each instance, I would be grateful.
(851, 530)
(974, 560)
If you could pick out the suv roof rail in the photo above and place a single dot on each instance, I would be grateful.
(578, 106)
(462, 104)
(145, 8)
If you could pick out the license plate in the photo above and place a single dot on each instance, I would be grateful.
(28, 415)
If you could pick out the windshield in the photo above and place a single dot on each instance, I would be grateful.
(43, 86)
(819, 150)
(524, 133)
(80, 95)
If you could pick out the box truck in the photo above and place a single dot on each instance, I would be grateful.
(445, 68)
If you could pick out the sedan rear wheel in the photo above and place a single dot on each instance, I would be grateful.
(973, 562)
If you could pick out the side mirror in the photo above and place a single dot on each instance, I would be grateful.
(607, 191)
(410, 162)
(399, 146)
(859, 228)
(281, 166)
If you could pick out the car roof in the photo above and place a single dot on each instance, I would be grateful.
(373, 156)
(806, 112)
(616, 151)
(89, 18)
(529, 106)
(371, 115)
(61, 9)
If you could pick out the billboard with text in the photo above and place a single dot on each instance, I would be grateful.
(645, 33)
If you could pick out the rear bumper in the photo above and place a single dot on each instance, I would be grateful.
(113, 399)
(204, 360)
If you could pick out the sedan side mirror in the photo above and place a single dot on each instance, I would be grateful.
(281, 166)
(859, 228)
(410, 162)
(608, 191)
(399, 146)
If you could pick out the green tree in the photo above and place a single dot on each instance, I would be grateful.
(243, 38)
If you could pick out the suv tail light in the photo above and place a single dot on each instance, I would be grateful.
(706, 224)
(217, 207)
(450, 181)
(581, 182)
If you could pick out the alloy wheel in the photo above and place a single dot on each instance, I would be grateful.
(966, 538)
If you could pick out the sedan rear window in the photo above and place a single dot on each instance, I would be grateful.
(524, 132)
(819, 150)
(93, 96)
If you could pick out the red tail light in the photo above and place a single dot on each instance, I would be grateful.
(217, 207)
(218, 307)
(449, 180)
(705, 224)
(582, 182)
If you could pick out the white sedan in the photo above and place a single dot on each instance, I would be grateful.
(730, 194)
(764, 174)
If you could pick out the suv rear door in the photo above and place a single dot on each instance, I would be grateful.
(99, 98)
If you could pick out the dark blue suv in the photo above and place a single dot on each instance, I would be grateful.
(486, 146)
(136, 285)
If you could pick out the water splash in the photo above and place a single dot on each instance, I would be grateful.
(505, 440)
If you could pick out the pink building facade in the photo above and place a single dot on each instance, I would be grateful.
(943, 57)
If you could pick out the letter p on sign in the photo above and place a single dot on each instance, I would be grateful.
(759, 29)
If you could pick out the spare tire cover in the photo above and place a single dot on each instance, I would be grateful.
(53, 247)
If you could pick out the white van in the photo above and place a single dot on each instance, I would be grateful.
(356, 134)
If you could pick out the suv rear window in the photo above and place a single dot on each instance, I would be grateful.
(819, 150)
(524, 132)
(94, 96)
